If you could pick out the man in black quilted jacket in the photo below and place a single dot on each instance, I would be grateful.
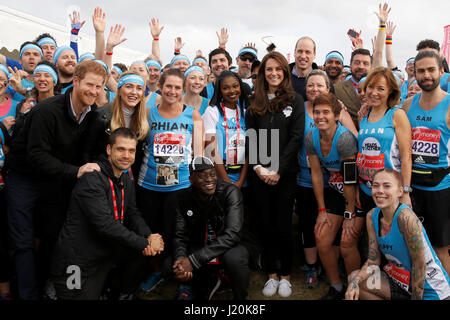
(207, 235)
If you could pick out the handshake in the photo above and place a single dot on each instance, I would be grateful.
(155, 245)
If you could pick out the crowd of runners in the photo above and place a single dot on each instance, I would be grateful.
(115, 178)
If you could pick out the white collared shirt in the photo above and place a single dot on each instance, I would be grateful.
(85, 112)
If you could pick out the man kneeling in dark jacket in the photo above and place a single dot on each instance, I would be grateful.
(102, 226)
(208, 222)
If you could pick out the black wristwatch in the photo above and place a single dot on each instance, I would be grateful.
(348, 215)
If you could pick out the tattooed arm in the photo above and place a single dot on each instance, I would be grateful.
(371, 265)
(411, 229)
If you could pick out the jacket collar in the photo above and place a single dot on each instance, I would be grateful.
(67, 99)
(107, 169)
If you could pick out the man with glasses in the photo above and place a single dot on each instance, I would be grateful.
(244, 60)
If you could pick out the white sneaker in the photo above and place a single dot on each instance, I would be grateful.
(284, 288)
(270, 288)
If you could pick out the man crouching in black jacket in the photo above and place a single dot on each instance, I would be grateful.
(102, 225)
(208, 224)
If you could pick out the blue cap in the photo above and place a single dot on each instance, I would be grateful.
(248, 50)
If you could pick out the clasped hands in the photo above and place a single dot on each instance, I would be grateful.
(182, 268)
(155, 245)
(268, 176)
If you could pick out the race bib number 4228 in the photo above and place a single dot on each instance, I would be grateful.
(425, 145)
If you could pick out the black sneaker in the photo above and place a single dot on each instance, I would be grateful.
(333, 294)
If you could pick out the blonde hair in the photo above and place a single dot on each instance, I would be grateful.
(139, 122)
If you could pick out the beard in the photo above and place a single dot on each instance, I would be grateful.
(428, 87)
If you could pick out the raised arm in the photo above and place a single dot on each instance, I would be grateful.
(178, 45)
(222, 38)
(155, 30)
(390, 28)
(99, 22)
(411, 230)
(382, 14)
(76, 26)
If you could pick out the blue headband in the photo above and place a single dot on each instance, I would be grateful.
(414, 82)
(48, 69)
(46, 40)
(363, 79)
(103, 65)
(153, 63)
(5, 70)
(28, 47)
(198, 59)
(248, 50)
(131, 78)
(336, 55)
(118, 70)
(143, 62)
(410, 60)
(180, 57)
(192, 69)
(87, 55)
(347, 69)
(59, 51)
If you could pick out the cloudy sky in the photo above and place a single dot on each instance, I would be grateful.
(326, 21)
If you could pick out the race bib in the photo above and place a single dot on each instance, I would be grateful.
(336, 182)
(169, 147)
(425, 146)
(398, 275)
(235, 152)
(368, 165)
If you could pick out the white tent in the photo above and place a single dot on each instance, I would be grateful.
(17, 27)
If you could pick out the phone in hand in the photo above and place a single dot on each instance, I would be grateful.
(352, 33)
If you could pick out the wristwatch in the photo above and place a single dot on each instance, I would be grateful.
(348, 215)
(407, 189)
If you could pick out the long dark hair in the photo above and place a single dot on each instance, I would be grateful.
(284, 95)
(217, 98)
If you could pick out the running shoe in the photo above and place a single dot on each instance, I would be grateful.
(311, 279)
(49, 291)
(333, 294)
(284, 288)
(152, 281)
(270, 288)
(185, 293)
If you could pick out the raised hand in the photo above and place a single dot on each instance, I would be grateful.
(390, 28)
(251, 45)
(16, 79)
(115, 37)
(383, 13)
(75, 20)
(179, 44)
(199, 53)
(99, 20)
(155, 29)
(222, 37)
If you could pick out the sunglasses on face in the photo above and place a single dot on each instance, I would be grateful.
(249, 59)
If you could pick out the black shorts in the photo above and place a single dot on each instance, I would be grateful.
(434, 208)
(334, 201)
(397, 292)
(367, 202)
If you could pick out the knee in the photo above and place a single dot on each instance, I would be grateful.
(236, 257)
(347, 247)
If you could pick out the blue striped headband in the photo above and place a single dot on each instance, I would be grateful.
(410, 60)
(335, 55)
(346, 69)
(248, 50)
(103, 65)
(192, 69)
(46, 40)
(118, 70)
(130, 78)
(5, 70)
(87, 55)
(143, 62)
(28, 47)
(48, 69)
(199, 59)
(180, 57)
(154, 63)
(59, 51)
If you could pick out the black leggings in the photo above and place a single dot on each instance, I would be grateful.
(274, 207)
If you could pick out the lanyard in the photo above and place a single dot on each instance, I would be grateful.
(116, 214)
(226, 130)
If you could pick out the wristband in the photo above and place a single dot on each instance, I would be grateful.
(155, 39)
(382, 26)
(176, 52)
(222, 47)
(322, 210)
(109, 53)
(388, 39)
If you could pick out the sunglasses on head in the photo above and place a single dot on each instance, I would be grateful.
(249, 59)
